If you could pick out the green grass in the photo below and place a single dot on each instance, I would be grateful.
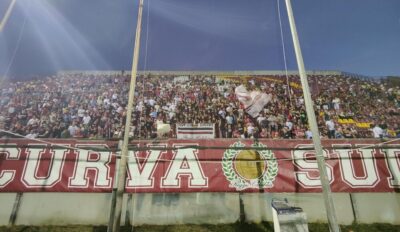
(236, 227)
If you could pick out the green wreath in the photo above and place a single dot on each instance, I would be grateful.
(272, 168)
(227, 166)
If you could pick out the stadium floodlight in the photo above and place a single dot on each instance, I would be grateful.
(7, 15)
(124, 153)
(326, 190)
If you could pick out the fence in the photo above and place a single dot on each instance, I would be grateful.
(204, 181)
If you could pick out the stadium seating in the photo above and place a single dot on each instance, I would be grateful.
(94, 106)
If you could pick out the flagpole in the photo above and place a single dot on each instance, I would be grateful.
(124, 155)
(327, 194)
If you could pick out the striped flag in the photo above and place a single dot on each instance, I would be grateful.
(198, 131)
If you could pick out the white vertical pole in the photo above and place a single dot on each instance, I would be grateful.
(329, 206)
(277, 226)
(114, 193)
(124, 155)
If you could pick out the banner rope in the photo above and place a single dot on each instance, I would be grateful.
(284, 51)
(117, 154)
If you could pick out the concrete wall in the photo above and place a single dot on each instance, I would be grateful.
(258, 206)
(6, 207)
(196, 208)
(63, 208)
(377, 207)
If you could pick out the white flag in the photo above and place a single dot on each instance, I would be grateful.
(253, 101)
(162, 128)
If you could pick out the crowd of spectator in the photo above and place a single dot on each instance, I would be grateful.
(94, 106)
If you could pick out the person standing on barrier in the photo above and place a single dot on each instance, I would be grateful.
(331, 128)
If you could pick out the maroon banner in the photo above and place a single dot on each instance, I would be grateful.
(199, 166)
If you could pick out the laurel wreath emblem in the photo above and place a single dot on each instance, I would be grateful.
(240, 183)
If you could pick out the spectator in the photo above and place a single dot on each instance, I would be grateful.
(331, 128)
(377, 131)
(308, 134)
(59, 107)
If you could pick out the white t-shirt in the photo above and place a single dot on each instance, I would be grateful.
(222, 113)
(250, 129)
(260, 119)
(229, 119)
(32, 121)
(31, 136)
(289, 124)
(330, 124)
(81, 112)
(152, 102)
(72, 129)
(308, 134)
(106, 101)
(86, 119)
(378, 132)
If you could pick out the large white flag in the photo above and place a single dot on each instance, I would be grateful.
(253, 101)
(162, 128)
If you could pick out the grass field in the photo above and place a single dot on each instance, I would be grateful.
(237, 227)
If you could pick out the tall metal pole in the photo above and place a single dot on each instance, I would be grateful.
(114, 193)
(124, 155)
(329, 206)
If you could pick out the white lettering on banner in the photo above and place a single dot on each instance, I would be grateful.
(11, 153)
(393, 164)
(30, 176)
(192, 168)
(99, 164)
(140, 173)
(26, 167)
(306, 166)
(370, 177)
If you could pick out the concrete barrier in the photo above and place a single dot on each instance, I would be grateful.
(194, 208)
(377, 207)
(6, 207)
(258, 206)
(64, 209)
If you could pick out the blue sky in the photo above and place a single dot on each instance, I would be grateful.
(44, 36)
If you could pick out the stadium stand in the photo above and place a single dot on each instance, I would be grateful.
(94, 106)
